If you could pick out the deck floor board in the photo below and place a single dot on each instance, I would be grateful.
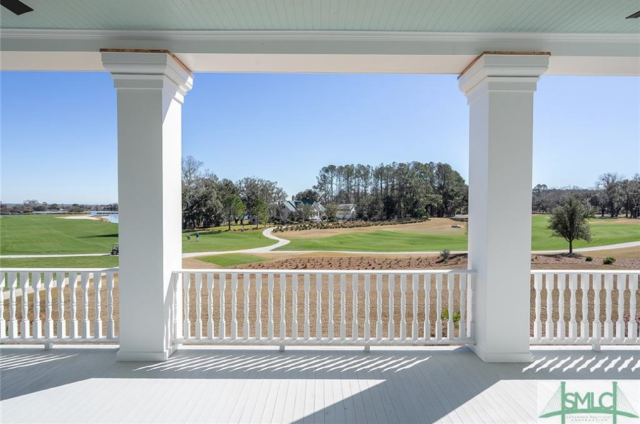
(262, 385)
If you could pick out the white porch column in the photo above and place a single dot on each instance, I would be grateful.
(499, 89)
(151, 89)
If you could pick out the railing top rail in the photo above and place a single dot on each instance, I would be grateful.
(328, 271)
(59, 269)
(586, 271)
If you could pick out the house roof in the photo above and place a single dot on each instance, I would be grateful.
(346, 206)
(289, 205)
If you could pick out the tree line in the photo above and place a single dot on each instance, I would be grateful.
(208, 201)
(392, 191)
(613, 195)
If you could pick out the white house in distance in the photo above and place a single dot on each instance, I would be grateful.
(291, 207)
(346, 211)
(166, 363)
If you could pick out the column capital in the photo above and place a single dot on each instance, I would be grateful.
(503, 71)
(148, 69)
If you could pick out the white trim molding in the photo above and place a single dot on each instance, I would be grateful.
(319, 51)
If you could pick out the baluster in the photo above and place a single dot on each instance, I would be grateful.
(111, 333)
(584, 324)
(13, 321)
(36, 283)
(331, 321)
(3, 323)
(48, 306)
(294, 305)
(84, 285)
(319, 307)
(354, 287)
(537, 325)
(343, 307)
(450, 323)
(471, 305)
(549, 284)
(210, 324)
(403, 307)
(414, 321)
(198, 306)
(597, 325)
(234, 306)
(439, 307)
(307, 324)
(222, 329)
(270, 306)
(427, 306)
(62, 323)
(379, 307)
(462, 332)
(97, 286)
(622, 286)
(86, 324)
(573, 324)
(258, 306)
(561, 286)
(186, 327)
(283, 304)
(177, 305)
(608, 324)
(632, 325)
(74, 327)
(392, 324)
(367, 308)
(246, 280)
(25, 326)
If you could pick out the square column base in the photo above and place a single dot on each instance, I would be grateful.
(126, 356)
(502, 356)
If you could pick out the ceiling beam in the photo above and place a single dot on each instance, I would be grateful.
(319, 51)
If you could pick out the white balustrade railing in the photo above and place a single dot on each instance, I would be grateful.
(58, 305)
(591, 317)
(283, 307)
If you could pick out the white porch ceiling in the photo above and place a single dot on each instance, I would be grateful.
(547, 16)
(584, 37)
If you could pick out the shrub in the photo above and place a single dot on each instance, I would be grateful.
(445, 254)
(444, 316)
(588, 259)
(609, 261)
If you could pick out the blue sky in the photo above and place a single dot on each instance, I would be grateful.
(58, 130)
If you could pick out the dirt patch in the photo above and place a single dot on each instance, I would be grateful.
(362, 262)
(616, 221)
(433, 226)
(89, 217)
(190, 263)
(626, 253)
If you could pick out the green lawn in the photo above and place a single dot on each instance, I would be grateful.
(41, 235)
(232, 259)
(53, 235)
(220, 240)
(604, 232)
(73, 262)
(38, 234)
(381, 241)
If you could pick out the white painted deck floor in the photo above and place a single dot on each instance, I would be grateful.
(86, 385)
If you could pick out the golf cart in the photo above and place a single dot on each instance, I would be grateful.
(115, 250)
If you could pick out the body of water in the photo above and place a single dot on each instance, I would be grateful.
(111, 216)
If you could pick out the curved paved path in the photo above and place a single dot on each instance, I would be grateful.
(268, 233)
